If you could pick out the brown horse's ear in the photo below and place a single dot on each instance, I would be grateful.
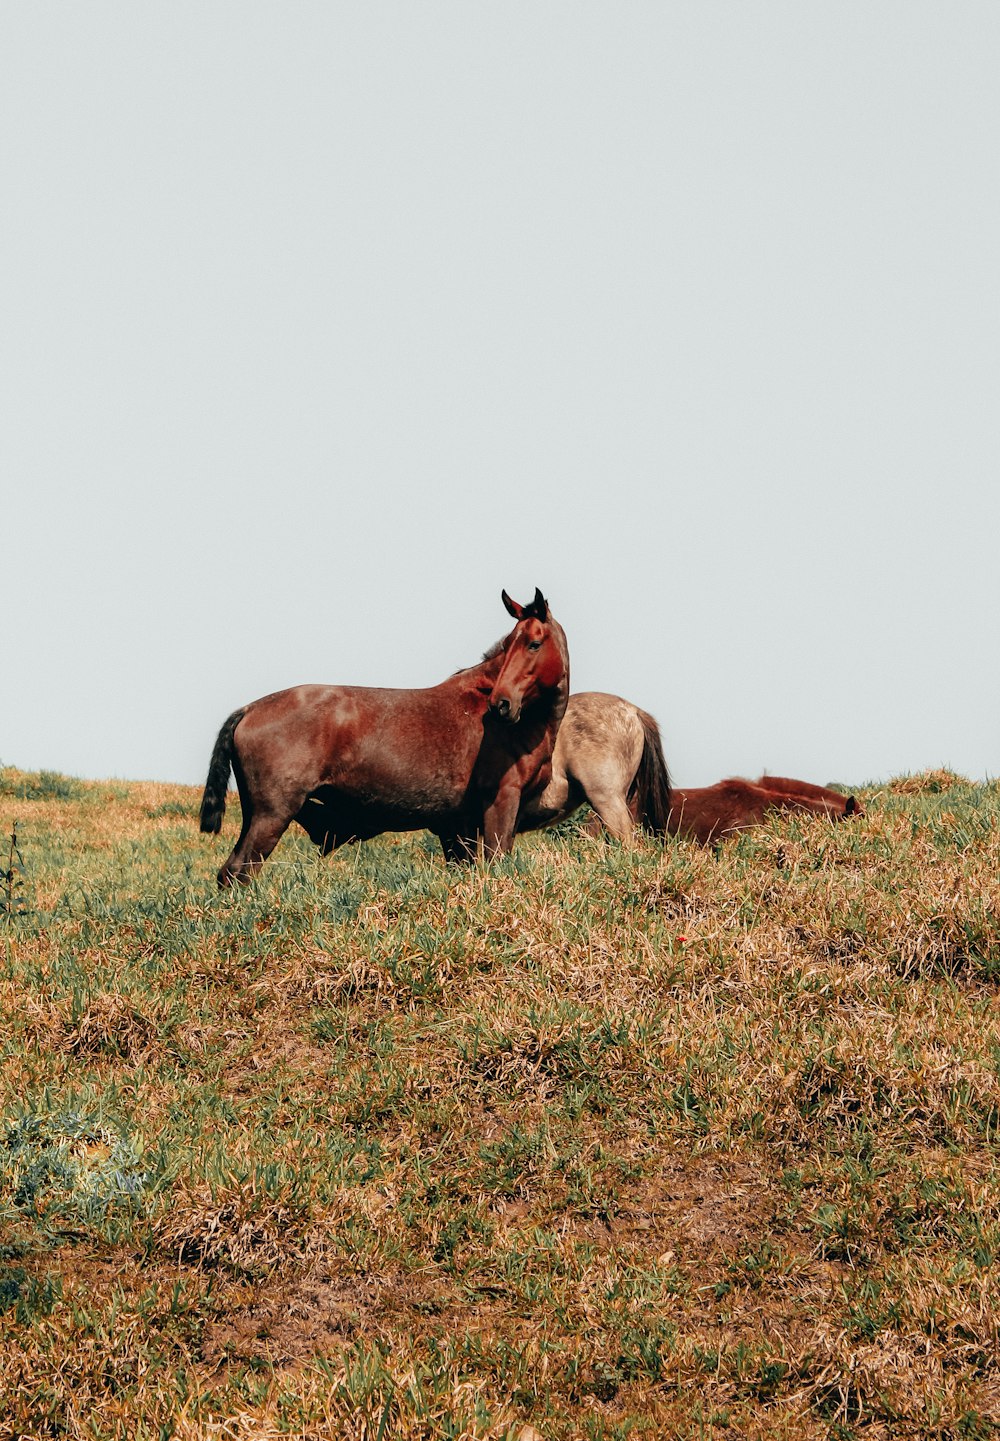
(850, 806)
(539, 607)
(517, 611)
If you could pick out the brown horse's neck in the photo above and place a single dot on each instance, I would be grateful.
(541, 719)
(481, 675)
(486, 672)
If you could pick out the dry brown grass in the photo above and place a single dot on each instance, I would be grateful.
(925, 783)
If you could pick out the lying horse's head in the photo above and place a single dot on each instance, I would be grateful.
(536, 660)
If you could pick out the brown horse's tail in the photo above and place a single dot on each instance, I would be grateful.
(213, 802)
(649, 798)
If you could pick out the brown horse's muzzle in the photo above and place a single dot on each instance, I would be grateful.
(505, 709)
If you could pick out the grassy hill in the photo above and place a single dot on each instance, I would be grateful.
(597, 1141)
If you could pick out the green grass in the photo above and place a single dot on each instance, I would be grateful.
(605, 1141)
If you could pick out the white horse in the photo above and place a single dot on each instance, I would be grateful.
(608, 752)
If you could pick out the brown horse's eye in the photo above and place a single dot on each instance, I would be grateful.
(534, 645)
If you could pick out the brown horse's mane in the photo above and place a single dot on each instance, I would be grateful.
(498, 649)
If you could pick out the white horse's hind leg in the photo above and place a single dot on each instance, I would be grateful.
(607, 773)
(614, 813)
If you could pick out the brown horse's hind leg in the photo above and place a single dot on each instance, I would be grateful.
(229, 870)
(264, 823)
(253, 848)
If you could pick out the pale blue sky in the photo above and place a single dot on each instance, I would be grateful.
(320, 323)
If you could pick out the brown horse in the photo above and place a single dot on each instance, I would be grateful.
(707, 814)
(608, 752)
(349, 762)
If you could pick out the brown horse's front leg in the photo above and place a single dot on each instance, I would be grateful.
(458, 849)
(500, 822)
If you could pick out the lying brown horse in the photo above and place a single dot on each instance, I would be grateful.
(608, 752)
(349, 762)
(708, 814)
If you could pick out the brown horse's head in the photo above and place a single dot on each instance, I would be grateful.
(536, 660)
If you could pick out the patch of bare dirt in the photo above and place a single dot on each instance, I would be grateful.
(700, 1208)
(286, 1325)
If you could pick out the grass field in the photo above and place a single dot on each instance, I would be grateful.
(595, 1142)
